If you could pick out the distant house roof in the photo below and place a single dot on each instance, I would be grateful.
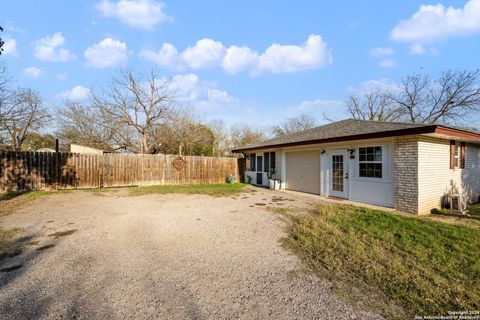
(352, 129)
(76, 148)
(45, 150)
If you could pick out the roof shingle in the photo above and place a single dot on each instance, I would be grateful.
(345, 128)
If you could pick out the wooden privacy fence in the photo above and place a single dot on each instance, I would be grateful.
(25, 171)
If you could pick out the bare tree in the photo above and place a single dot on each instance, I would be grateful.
(1, 42)
(243, 134)
(181, 134)
(81, 124)
(295, 124)
(372, 105)
(419, 98)
(448, 100)
(5, 90)
(220, 133)
(137, 102)
(22, 114)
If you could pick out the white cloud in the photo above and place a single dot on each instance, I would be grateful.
(32, 72)
(381, 52)
(205, 53)
(13, 28)
(203, 96)
(186, 86)
(417, 49)
(50, 48)
(220, 96)
(10, 47)
(166, 57)
(143, 14)
(387, 63)
(313, 54)
(318, 106)
(77, 93)
(61, 76)
(239, 59)
(107, 53)
(436, 22)
(373, 85)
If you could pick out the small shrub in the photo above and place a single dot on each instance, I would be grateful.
(231, 179)
(249, 179)
(271, 173)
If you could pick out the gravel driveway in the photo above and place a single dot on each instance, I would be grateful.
(161, 257)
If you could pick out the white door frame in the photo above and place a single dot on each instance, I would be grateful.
(343, 183)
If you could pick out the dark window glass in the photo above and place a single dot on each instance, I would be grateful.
(252, 162)
(370, 162)
(266, 166)
(272, 160)
(259, 163)
(378, 153)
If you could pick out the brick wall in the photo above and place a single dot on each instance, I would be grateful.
(435, 176)
(405, 173)
(437, 179)
(423, 174)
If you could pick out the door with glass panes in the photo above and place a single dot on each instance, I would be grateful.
(338, 174)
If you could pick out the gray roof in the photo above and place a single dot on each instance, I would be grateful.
(341, 130)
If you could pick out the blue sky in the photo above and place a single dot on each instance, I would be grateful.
(239, 61)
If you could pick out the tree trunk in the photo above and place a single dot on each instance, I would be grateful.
(143, 143)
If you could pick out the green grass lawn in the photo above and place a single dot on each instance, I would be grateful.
(425, 267)
(223, 189)
(474, 210)
(6, 238)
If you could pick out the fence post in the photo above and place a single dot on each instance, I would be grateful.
(241, 169)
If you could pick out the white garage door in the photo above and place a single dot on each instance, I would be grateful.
(303, 171)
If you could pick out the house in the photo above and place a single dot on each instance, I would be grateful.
(76, 148)
(45, 150)
(406, 166)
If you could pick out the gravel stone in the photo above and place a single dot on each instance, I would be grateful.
(161, 257)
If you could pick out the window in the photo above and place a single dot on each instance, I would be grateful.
(370, 162)
(272, 160)
(259, 163)
(266, 167)
(269, 161)
(457, 154)
(252, 162)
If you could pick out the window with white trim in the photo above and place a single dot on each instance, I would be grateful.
(370, 162)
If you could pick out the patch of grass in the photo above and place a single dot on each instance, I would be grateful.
(6, 239)
(217, 190)
(11, 268)
(62, 233)
(426, 267)
(474, 210)
(48, 246)
(10, 202)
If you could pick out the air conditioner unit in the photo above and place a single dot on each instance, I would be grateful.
(458, 203)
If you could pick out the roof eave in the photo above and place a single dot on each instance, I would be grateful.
(373, 135)
(457, 133)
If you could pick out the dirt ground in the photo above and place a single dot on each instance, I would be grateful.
(112, 256)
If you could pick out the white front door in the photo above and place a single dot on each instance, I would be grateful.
(339, 174)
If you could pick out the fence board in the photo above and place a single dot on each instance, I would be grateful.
(25, 171)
